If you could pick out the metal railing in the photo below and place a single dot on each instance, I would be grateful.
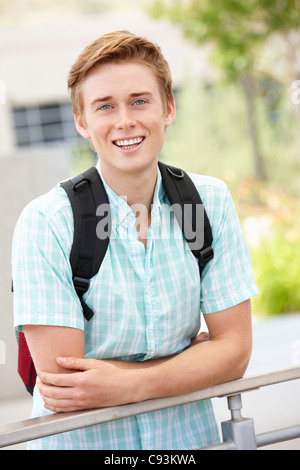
(238, 433)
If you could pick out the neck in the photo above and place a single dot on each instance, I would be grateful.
(137, 188)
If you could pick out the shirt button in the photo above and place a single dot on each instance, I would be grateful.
(135, 244)
(148, 290)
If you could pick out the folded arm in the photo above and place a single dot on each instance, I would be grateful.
(46, 343)
(222, 357)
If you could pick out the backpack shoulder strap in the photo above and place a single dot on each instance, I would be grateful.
(183, 194)
(86, 193)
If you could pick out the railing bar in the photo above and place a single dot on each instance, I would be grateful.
(228, 445)
(278, 435)
(62, 422)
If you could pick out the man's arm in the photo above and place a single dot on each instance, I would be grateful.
(47, 342)
(223, 357)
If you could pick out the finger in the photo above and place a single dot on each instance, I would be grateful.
(58, 404)
(59, 409)
(75, 363)
(58, 380)
(56, 393)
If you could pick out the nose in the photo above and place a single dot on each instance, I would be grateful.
(125, 119)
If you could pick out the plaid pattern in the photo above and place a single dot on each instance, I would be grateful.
(146, 302)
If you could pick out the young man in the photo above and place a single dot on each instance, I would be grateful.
(142, 341)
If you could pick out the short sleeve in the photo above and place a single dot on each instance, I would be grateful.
(228, 279)
(42, 275)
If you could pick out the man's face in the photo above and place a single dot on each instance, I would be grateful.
(124, 116)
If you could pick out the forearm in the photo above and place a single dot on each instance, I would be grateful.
(198, 367)
(101, 383)
(111, 383)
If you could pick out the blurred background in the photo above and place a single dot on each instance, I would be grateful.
(236, 72)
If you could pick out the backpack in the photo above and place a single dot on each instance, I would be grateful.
(87, 193)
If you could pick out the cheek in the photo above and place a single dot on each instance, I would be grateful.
(156, 125)
(99, 131)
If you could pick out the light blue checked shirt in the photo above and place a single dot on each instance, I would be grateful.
(146, 303)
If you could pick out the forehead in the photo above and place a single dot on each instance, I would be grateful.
(119, 79)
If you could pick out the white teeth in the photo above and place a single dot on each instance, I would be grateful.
(126, 143)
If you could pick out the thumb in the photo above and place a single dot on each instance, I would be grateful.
(75, 363)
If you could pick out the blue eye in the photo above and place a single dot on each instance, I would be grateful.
(105, 107)
(139, 102)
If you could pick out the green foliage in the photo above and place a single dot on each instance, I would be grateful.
(278, 15)
(276, 265)
(209, 123)
(222, 22)
(237, 29)
(274, 243)
(210, 135)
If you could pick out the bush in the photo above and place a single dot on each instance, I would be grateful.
(276, 265)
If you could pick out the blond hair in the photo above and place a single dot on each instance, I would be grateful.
(119, 46)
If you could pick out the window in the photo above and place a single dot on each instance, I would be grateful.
(44, 125)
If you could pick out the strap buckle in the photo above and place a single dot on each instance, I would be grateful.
(81, 285)
(175, 172)
(205, 256)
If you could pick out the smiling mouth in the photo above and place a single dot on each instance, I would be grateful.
(128, 144)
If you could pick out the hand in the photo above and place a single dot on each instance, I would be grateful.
(94, 384)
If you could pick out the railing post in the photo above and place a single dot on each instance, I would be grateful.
(238, 430)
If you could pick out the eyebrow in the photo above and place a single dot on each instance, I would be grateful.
(141, 93)
(108, 98)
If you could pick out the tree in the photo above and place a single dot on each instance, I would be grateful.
(238, 30)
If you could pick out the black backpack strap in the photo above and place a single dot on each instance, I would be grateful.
(181, 190)
(86, 193)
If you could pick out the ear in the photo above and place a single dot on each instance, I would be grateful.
(170, 112)
(81, 126)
